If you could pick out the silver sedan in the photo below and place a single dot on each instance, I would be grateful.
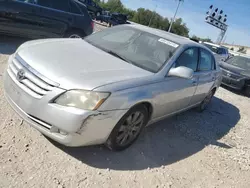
(106, 88)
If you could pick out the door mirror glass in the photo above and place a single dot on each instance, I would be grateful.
(181, 72)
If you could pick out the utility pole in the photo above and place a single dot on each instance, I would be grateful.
(152, 16)
(172, 21)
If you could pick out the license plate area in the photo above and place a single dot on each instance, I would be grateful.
(227, 80)
(16, 94)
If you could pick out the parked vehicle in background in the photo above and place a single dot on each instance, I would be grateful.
(221, 53)
(118, 19)
(44, 18)
(236, 73)
(92, 7)
(118, 81)
(104, 17)
(112, 19)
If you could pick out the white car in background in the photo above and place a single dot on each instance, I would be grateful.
(220, 52)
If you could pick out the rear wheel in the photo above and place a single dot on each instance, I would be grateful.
(74, 34)
(128, 128)
(206, 101)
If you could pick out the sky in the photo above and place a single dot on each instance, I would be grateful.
(193, 13)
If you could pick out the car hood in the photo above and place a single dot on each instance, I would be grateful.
(76, 64)
(232, 68)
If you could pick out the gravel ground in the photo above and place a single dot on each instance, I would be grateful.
(211, 149)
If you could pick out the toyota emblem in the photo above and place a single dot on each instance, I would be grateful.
(228, 74)
(20, 75)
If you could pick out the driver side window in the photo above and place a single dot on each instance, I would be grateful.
(189, 59)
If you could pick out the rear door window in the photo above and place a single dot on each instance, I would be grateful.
(74, 8)
(44, 3)
(189, 58)
(206, 61)
(62, 5)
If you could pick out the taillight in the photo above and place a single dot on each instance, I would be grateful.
(92, 25)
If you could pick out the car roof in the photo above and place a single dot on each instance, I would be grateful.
(216, 45)
(212, 44)
(166, 35)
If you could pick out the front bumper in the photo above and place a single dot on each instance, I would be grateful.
(233, 83)
(80, 127)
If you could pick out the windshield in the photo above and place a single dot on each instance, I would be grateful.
(239, 61)
(142, 49)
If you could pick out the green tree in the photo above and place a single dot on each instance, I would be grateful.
(145, 17)
(201, 39)
(180, 28)
(149, 18)
(130, 13)
(114, 6)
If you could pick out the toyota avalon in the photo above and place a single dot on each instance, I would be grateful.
(106, 88)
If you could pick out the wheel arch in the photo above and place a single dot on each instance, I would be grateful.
(71, 29)
(148, 106)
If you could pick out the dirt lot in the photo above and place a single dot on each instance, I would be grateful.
(211, 149)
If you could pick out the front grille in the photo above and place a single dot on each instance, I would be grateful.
(33, 82)
(231, 74)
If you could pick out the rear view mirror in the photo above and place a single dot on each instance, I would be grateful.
(182, 72)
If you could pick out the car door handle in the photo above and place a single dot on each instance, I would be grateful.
(213, 79)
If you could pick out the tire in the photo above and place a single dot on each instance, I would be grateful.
(125, 134)
(206, 101)
(247, 91)
(74, 34)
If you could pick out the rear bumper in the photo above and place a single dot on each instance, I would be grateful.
(68, 126)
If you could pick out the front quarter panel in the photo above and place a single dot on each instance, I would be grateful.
(127, 98)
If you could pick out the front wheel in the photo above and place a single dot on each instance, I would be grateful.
(128, 128)
(247, 91)
(206, 101)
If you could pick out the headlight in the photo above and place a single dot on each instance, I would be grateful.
(86, 100)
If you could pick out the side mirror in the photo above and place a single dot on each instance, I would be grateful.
(182, 72)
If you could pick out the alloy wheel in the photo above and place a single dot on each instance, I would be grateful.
(130, 128)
